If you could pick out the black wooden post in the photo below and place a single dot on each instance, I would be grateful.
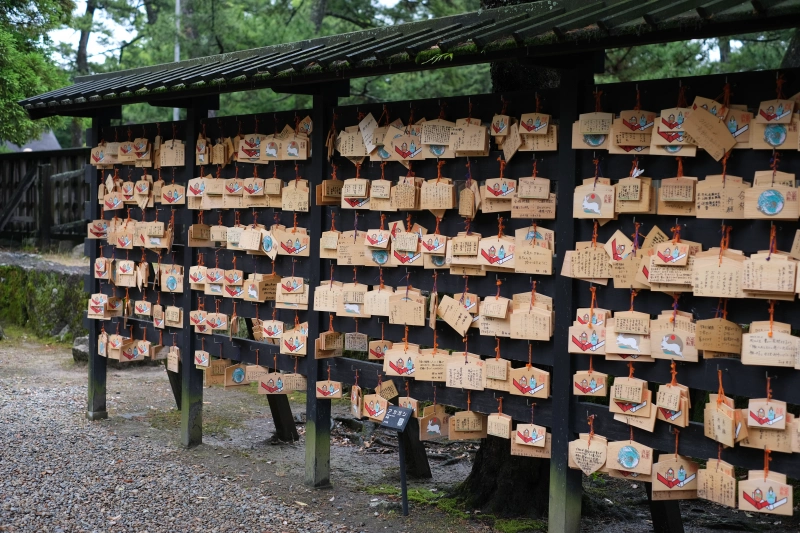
(318, 412)
(666, 514)
(285, 428)
(191, 377)
(416, 458)
(45, 205)
(564, 515)
(96, 401)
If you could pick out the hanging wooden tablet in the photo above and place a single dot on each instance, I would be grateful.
(775, 112)
(770, 496)
(719, 335)
(774, 202)
(295, 196)
(499, 425)
(721, 197)
(640, 408)
(374, 407)
(777, 349)
(675, 478)
(434, 423)
(467, 425)
(356, 402)
(584, 339)
(676, 196)
(717, 483)
(292, 243)
(719, 423)
(630, 456)
(589, 383)
(588, 453)
(293, 342)
(766, 413)
(173, 359)
(173, 194)
(530, 435)
(467, 374)
(672, 402)
(272, 383)
(530, 382)
(531, 323)
(329, 390)
(718, 273)
(594, 201)
(158, 317)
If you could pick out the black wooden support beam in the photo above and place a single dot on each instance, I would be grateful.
(191, 376)
(318, 412)
(565, 484)
(666, 514)
(285, 428)
(417, 465)
(96, 394)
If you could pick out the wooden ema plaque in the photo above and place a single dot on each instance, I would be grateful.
(674, 478)
(434, 423)
(630, 456)
(716, 483)
(588, 454)
(767, 494)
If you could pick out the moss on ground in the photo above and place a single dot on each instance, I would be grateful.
(455, 508)
(42, 300)
(213, 423)
(519, 525)
(451, 506)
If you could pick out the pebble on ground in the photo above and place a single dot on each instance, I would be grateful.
(59, 473)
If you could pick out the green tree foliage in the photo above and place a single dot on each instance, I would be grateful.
(210, 27)
(25, 65)
(740, 53)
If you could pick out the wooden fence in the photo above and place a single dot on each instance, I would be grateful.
(43, 195)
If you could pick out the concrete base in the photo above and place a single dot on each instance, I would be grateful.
(96, 415)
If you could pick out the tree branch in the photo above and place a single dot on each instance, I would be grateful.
(360, 23)
(123, 46)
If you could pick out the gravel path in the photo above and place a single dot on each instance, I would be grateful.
(61, 474)
(30, 261)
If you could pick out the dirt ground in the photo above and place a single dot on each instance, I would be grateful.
(364, 466)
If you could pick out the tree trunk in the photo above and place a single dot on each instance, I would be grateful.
(724, 50)
(501, 483)
(82, 65)
(791, 59)
(318, 13)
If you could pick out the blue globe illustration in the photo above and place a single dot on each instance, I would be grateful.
(775, 134)
(594, 139)
(172, 283)
(628, 457)
(437, 260)
(437, 150)
(380, 256)
(382, 153)
(770, 202)
(673, 149)
(267, 243)
(238, 375)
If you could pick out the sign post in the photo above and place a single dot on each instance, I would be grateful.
(397, 418)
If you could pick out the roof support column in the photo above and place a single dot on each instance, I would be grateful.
(564, 514)
(191, 376)
(318, 412)
(96, 396)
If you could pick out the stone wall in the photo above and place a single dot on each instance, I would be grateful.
(45, 297)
